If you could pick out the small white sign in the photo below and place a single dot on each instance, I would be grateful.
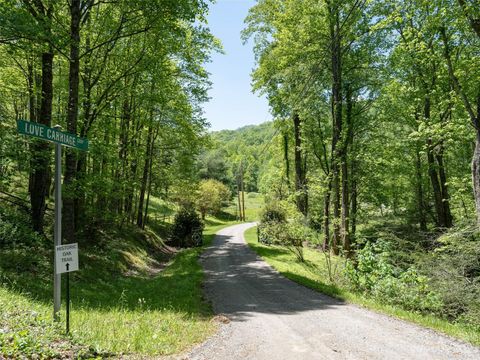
(66, 258)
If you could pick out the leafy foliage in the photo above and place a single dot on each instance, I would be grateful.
(454, 272)
(375, 101)
(15, 229)
(231, 148)
(276, 229)
(187, 228)
(212, 196)
(373, 273)
(273, 212)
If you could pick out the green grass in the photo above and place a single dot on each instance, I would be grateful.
(162, 314)
(313, 274)
(254, 203)
(27, 331)
(160, 209)
(122, 302)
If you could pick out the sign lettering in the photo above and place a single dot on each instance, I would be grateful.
(50, 134)
(66, 258)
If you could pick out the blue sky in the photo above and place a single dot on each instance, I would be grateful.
(232, 104)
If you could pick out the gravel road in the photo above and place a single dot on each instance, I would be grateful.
(272, 317)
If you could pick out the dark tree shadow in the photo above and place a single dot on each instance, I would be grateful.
(239, 283)
(104, 281)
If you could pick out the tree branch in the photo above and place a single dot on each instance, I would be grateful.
(456, 83)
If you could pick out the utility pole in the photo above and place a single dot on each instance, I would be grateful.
(243, 190)
(239, 199)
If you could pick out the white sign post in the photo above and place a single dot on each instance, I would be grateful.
(66, 261)
(66, 258)
(60, 138)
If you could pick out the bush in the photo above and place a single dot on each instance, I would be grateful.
(454, 270)
(187, 228)
(273, 213)
(212, 196)
(269, 232)
(374, 274)
(288, 234)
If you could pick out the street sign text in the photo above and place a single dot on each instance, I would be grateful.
(50, 134)
(66, 258)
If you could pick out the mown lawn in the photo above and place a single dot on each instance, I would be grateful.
(123, 302)
(254, 203)
(313, 273)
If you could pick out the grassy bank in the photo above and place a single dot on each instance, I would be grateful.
(314, 274)
(132, 295)
(254, 203)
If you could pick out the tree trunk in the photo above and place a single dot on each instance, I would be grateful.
(145, 176)
(285, 158)
(353, 198)
(347, 139)
(32, 117)
(81, 198)
(130, 190)
(354, 209)
(145, 216)
(474, 117)
(444, 189)
(31, 90)
(433, 173)
(437, 193)
(242, 187)
(101, 196)
(300, 173)
(476, 176)
(326, 216)
(240, 217)
(422, 220)
(337, 103)
(41, 149)
(72, 117)
(123, 154)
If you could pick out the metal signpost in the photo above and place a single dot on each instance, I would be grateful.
(60, 138)
(66, 261)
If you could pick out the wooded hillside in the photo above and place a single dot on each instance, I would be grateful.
(126, 75)
(230, 150)
(377, 109)
(365, 184)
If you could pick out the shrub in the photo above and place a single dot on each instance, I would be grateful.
(269, 232)
(212, 195)
(187, 228)
(454, 270)
(273, 213)
(374, 274)
(288, 234)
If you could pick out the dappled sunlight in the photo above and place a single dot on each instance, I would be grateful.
(240, 284)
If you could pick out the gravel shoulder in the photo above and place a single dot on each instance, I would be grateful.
(271, 317)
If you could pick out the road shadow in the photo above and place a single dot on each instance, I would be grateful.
(240, 284)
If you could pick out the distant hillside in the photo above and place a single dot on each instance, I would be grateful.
(249, 145)
(252, 134)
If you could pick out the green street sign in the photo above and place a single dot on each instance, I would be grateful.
(50, 134)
